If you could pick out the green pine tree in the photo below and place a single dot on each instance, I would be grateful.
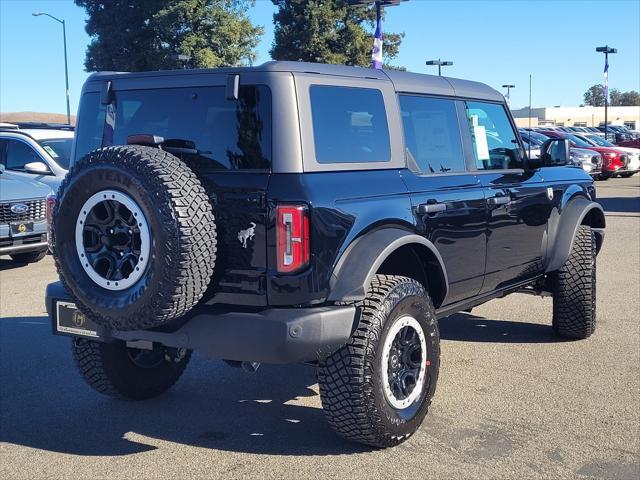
(165, 34)
(327, 31)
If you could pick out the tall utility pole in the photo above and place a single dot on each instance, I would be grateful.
(606, 50)
(440, 64)
(508, 95)
(66, 69)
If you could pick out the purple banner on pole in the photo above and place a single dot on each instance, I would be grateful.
(376, 54)
(605, 90)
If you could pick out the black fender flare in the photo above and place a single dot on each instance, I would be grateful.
(362, 259)
(579, 211)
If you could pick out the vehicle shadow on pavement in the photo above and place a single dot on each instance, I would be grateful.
(465, 327)
(620, 204)
(44, 404)
(8, 264)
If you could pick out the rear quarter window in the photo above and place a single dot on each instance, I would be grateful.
(349, 125)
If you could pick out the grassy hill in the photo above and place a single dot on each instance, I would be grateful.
(36, 117)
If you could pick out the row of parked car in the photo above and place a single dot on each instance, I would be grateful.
(618, 134)
(601, 158)
(34, 158)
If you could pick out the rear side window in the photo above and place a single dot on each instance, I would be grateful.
(349, 125)
(431, 133)
(229, 135)
(496, 146)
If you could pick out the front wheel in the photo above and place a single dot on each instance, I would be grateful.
(119, 371)
(574, 289)
(377, 389)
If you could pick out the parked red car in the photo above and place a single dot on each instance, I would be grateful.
(630, 143)
(612, 159)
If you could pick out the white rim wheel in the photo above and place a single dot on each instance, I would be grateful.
(404, 362)
(113, 240)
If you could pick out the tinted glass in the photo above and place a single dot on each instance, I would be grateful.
(18, 154)
(431, 133)
(349, 125)
(577, 142)
(90, 125)
(538, 137)
(228, 134)
(600, 141)
(59, 149)
(495, 142)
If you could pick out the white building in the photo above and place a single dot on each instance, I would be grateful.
(578, 116)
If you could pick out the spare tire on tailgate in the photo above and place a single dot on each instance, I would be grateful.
(134, 237)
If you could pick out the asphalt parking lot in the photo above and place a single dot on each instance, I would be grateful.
(512, 401)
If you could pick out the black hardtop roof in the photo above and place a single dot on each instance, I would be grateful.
(403, 81)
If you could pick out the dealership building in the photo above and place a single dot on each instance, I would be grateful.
(577, 116)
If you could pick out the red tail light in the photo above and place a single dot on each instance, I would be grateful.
(51, 201)
(292, 235)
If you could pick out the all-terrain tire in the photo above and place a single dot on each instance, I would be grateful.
(574, 289)
(182, 242)
(28, 257)
(110, 369)
(352, 380)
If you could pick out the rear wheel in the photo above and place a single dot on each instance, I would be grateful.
(377, 389)
(116, 370)
(28, 257)
(574, 289)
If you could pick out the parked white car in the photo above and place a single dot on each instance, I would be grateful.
(36, 151)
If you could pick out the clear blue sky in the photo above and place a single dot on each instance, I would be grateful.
(495, 42)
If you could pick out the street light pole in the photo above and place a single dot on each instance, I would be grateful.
(606, 50)
(508, 87)
(440, 64)
(66, 68)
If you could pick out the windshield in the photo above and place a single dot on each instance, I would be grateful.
(59, 149)
(535, 138)
(578, 142)
(600, 141)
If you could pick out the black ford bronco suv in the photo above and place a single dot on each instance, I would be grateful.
(297, 212)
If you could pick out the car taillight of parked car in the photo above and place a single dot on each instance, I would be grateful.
(51, 201)
(292, 237)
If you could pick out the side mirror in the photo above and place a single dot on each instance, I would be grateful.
(555, 152)
(36, 167)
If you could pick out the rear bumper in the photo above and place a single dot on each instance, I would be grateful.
(279, 335)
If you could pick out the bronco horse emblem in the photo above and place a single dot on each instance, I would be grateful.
(244, 235)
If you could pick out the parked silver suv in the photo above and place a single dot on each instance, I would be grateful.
(37, 151)
(23, 217)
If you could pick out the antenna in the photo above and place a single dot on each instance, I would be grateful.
(529, 143)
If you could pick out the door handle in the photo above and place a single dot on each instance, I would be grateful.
(499, 200)
(432, 207)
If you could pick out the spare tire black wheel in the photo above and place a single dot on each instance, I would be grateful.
(134, 237)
